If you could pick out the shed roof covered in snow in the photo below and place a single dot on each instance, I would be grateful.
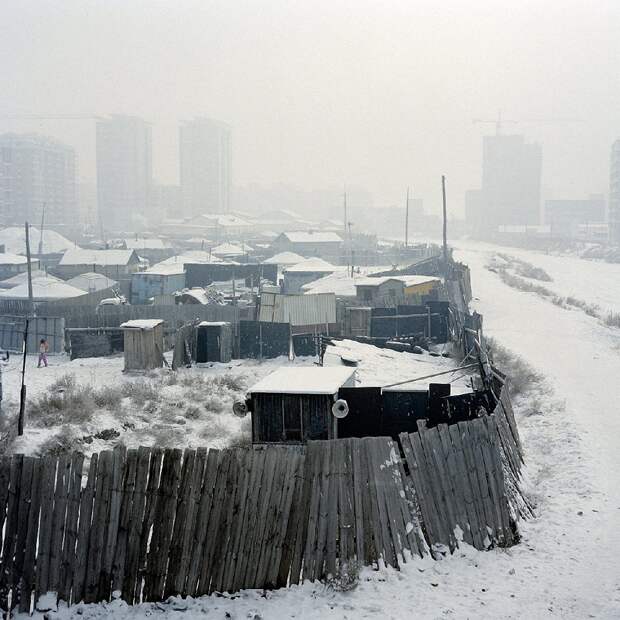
(310, 236)
(312, 265)
(92, 281)
(306, 380)
(141, 324)
(284, 258)
(43, 289)
(6, 258)
(406, 280)
(103, 258)
(14, 240)
(229, 249)
(147, 243)
(20, 278)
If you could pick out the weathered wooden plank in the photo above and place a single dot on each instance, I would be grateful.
(271, 471)
(45, 527)
(222, 546)
(83, 540)
(333, 477)
(441, 487)
(346, 502)
(26, 584)
(471, 508)
(241, 502)
(151, 498)
(359, 489)
(138, 503)
(418, 469)
(63, 479)
(25, 499)
(119, 455)
(127, 491)
(5, 475)
(11, 529)
(500, 480)
(180, 523)
(191, 520)
(317, 551)
(202, 521)
(270, 534)
(478, 492)
(456, 484)
(379, 510)
(96, 546)
(163, 525)
(71, 527)
(293, 524)
(372, 546)
(282, 519)
(214, 525)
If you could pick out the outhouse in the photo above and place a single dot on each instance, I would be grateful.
(214, 342)
(143, 344)
(294, 404)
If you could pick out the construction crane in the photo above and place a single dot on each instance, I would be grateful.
(499, 122)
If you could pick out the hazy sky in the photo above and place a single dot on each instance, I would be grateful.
(327, 92)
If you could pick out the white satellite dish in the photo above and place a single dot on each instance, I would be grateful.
(340, 409)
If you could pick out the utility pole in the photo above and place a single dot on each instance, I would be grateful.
(345, 211)
(351, 247)
(407, 220)
(445, 223)
(41, 233)
(22, 391)
(29, 266)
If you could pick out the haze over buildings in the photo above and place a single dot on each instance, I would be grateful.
(614, 193)
(37, 174)
(205, 161)
(124, 171)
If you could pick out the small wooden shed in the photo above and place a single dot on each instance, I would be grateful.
(214, 342)
(143, 344)
(293, 405)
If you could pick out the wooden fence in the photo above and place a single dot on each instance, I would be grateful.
(151, 523)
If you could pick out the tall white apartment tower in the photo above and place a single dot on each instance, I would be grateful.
(205, 166)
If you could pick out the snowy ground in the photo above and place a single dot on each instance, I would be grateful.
(189, 408)
(568, 563)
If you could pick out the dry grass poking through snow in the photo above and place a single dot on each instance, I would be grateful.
(522, 378)
(188, 408)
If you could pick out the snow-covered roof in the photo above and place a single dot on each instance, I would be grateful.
(305, 380)
(141, 324)
(14, 240)
(43, 289)
(212, 323)
(338, 282)
(284, 258)
(309, 236)
(92, 281)
(103, 258)
(20, 278)
(232, 221)
(406, 280)
(191, 256)
(311, 265)
(228, 249)
(6, 258)
(152, 243)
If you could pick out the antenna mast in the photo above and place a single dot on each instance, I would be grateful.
(407, 220)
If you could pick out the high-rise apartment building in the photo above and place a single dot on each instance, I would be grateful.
(36, 173)
(124, 172)
(614, 194)
(205, 166)
(511, 182)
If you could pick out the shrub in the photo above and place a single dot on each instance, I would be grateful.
(108, 397)
(193, 413)
(521, 376)
(61, 443)
(74, 406)
(141, 392)
(235, 383)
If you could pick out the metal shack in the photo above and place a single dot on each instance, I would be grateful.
(143, 344)
(295, 404)
(214, 342)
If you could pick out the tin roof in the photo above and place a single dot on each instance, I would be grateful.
(305, 380)
(142, 324)
(317, 309)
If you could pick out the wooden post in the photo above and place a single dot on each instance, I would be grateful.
(29, 267)
(22, 392)
(445, 223)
